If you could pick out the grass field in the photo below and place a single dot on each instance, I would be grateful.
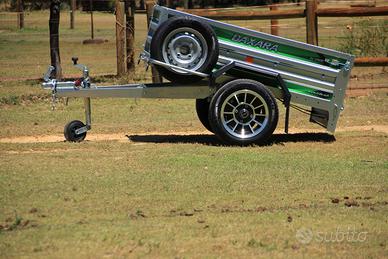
(164, 187)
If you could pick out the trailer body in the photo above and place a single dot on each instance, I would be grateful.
(238, 74)
(316, 77)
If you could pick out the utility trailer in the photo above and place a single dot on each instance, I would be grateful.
(235, 75)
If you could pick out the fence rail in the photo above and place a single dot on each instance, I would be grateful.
(371, 61)
(311, 12)
(247, 15)
(237, 14)
(353, 11)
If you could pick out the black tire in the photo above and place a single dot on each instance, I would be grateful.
(208, 37)
(243, 112)
(202, 108)
(70, 129)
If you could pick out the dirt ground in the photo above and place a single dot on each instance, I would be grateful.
(124, 137)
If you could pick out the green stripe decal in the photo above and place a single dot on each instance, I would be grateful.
(308, 91)
(292, 87)
(280, 49)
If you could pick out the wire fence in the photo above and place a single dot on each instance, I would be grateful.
(30, 46)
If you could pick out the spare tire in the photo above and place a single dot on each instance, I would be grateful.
(186, 43)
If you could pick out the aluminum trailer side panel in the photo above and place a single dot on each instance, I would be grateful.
(316, 77)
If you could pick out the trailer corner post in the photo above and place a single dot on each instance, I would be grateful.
(156, 77)
(311, 22)
(120, 38)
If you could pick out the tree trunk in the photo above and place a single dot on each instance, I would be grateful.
(73, 6)
(91, 19)
(54, 37)
(20, 10)
(130, 8)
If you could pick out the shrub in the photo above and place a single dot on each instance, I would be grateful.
(367, 38)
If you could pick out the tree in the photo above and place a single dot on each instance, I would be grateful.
(55, 8)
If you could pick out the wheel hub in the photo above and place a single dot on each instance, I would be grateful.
(186, 48)
(244, 113)
(184, 51)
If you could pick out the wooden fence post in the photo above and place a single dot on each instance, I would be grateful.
(141, 5)
(20, 10)
(156, 77)
(187, 4)
(54, 37)
(274, 22)
(311, 22)
(120, 38)
(130, 8)
(72, 13)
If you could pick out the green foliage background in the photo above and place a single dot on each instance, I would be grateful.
(367, 38)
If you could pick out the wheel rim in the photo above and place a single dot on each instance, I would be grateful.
(186, 48)
(74, 136)
(244, 114)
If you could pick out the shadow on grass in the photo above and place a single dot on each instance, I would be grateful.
(212, 140)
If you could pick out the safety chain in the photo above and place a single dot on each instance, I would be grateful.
(54, 95)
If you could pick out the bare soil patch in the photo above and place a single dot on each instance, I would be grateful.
(127, 137)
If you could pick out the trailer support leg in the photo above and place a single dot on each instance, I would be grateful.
(286, 101)
(88, 117)
(286, 122)
(88, 112)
